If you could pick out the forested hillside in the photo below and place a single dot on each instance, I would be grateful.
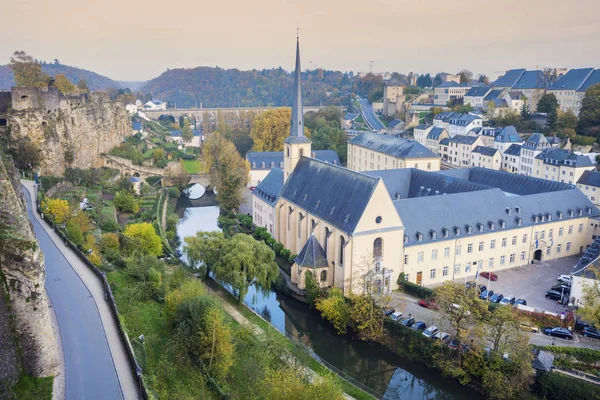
(217, 87)
(94, 81)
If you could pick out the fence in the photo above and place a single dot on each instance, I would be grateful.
(108, 296)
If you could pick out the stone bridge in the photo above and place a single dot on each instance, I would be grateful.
(198, 113)
(127, 168)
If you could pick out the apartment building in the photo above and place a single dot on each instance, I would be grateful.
(570, 89)
(486, 157)
(460, 148)
(589, 184)
(561, 165)
(449, 91)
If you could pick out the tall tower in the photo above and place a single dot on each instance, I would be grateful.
(296, 145)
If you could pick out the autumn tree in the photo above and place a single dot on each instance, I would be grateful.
(589, 116)
(270, 129)
(186, 131)
(567, 120)
(64, 85)
(27, 71)
(465, 75)
(82, 86)
(204, 250)
(245, 262)
(227, 170)
(461, 307)
(335, 309)
(502, 329)
(57, 208)
(590, 311)
(144, 238)
(110, 245)
(483, 79)
(124, 201)
(366, 317)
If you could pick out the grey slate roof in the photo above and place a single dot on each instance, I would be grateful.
(178, 133)
(449, 84)
(395, 122)
(312, 254)
(485, 151)
(269, 158)
(557, 156)
(591, 178)
(509, 79)
(535, 141)
(500, 103)
(516, 94)
(392, 145)
(493, 95)
(573, 79)
(508, 134)
(592, 80)
(445, 116)
(530, 80)
(588, 259)
(463, 139)
(422, 126)
(297, 121)
(270, 187)
(543, 360)
(350, 117)
(330, 156)
(513, 150)
(478, 91)
(463, 119)
(435, 133)
(332, 193)
(445, 142)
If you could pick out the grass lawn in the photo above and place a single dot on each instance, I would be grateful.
(29, 388)
(149, 153)
(108, 209)
(192, 166)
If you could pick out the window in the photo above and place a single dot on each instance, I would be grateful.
(502, 260)
(468, 268)
(432, 274)
(445, 271)
(522, 256)
(480, 246)
(378, 248)
(548, 250)
(323, 276)
(491, 262)
(446, 252)
(493, 244)
(514, 240)
(420, 257)
(542, 234)
(570, 230)
(560, 231)
(457, 269)
(568, 247)
(580, 228)
(550, 233)
(470, 248)
(512, 258)
(300, 218)
(458, 250)
(342, 245)
(434, 254)
(289, 217)
(503, 242)
(524, 238)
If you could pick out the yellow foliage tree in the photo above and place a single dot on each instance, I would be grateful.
(27, 71)
(64, 85)
(271, 128)
(57, 208)
(147, 241)
(335, 309)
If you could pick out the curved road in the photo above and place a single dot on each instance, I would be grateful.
(369, 115)
(89, 369)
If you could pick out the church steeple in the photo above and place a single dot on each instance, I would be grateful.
(296, 145)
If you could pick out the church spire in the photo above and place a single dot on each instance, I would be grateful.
(297, 123)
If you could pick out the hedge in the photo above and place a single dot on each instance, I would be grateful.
(557, 386)
(581, 354)
(546, 320)
(413, 289)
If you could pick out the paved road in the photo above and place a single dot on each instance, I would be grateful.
(89, 368)
(369, 116)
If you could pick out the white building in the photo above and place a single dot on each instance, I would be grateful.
(462, 124)
(474, 97)
(486, 157)
(511, 159)
(533, 146)
(561, 165)
(506, 137)
(530, 83)
(589, 184)
(460, 148)
(196, 141)
(570, 89)
(154, 105)
(448, 91)
(131, 109)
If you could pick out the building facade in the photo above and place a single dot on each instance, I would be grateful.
(561, 165)
(460, 148)
(448, 91)
(486, 157)
(570, 89)
(589, 184)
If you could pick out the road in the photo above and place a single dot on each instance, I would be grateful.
(369, 116)
(90, 372)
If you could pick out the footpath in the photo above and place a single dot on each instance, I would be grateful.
(118, 352)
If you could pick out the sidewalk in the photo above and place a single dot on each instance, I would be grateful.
(125, 374)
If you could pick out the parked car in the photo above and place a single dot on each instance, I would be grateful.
(428, 304)
(431, 331)
(470, 284)
(508, 300)
(588, 331)
(522, 302)
(496, 297)
(482, 288)
(561, 288)
(554, 295)
(419, 326)
(580, 324)
(559, 332)
(443, 336)
(408, 321)
(564, 279)
(388, 311)
(454, 344)
(485, 295)
(489, 275)
(396, 316)
(528, 327)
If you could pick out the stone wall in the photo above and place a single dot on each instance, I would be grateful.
(24, 273)
(70, 131)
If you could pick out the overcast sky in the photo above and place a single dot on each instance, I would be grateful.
(138, 40)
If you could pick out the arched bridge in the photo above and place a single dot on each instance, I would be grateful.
(199, 113)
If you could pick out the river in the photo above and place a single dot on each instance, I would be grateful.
(371, 364)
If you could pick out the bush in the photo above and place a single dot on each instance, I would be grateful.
(49, 181)
(581, 354)
(556, 386)
(74, 232)
(544, 320)
(414, 290)
(174, 193)
(245, 220)
(152, 180)
(125, 201)
(110, 225)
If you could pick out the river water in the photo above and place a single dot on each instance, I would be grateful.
(391, 376)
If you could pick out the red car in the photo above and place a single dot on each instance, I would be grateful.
(489, 275)
(428, 304)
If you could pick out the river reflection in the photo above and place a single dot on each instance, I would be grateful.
(371, 364)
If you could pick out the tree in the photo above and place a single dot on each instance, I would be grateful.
(366, 317)
(186, 131)
(245, 262)
(567, 119)
(465, 76)
(437, 81)
(590, 312)
(547, 103)
(74, 232)
(82, 86)
(326, 131)
(110, 245)
(312, 289)
(483, 79)
(335, 309)
(124, 201)
(57, 208)
(461, 307)
(271, 128)
(64, 85)
(287, 383)
(227, 170)
(27, 71)
(204, 250)
(502, 329)
(589, 116)
(159, 155)
(424, 81)
(145, 238)
(525, 112)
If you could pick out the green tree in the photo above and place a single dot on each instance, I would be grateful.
(27, 71)
(483, 79)
(590, 312)
(567, 120)
(335, 309)
(245, 262)
(424, 81)
(461, 307)
(551, 120)
(547, 103)
(82, 86)
(64, 85)
(186, 131)
(525, 112)
(589, 116)
(204, 250)
(124, 201)
(145, 238)
(502, 329)
(312, 289)
(74, 232)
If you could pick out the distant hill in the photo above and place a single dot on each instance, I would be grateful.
(218, 87)
(94, 81)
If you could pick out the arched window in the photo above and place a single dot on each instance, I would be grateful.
(326, 240)
(342, 244)
(272, 164)
(262, 165)
(378, 248)
(301, 152)
(312, 225)
(254, 165)
(323, 276)
(289, 218)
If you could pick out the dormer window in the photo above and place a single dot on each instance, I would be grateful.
(589, 210)
(419, 237)
(507, 209)
(445, 232)
(560, 214)
(571, 213)
(469, 228)
(579, 212)
(536, 218)
(492, 225)
(543, 218)
(406, 239)
(519, 221)
(502, 223)
(549, 217)
(480, 226)
(517, 209)
(433, 234)
(457, 230)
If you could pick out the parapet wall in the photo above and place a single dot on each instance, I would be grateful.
(32, 98)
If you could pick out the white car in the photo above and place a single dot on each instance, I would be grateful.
(443, 336)
(564, 278)
(397, 316)
(431, 331)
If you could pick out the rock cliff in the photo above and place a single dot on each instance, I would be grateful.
(22, 273)
(69, 131)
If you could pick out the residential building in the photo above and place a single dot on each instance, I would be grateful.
(486, 157)
(460, 148)
(474, 97)
(487, 135)
(530, 83)
(515, 100)
(396, 126)
(154, 105)
(589, 184)
(491, 97)
(561, 165)
(131, 109)
(446, 77)
(373, 151)
(196, 141)
(449, 91)
(264, 199)
(506, 137)
(435, 135)
(511, 159)
(462, 124)
(533, 146)
(570, 89)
